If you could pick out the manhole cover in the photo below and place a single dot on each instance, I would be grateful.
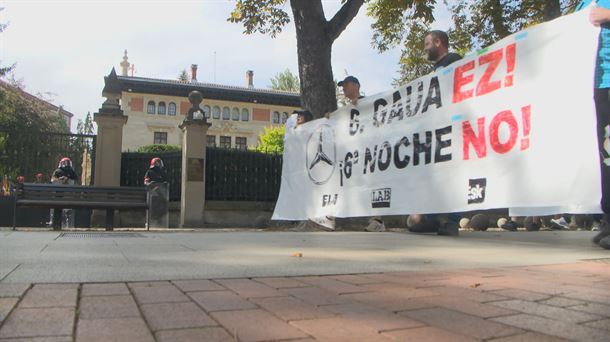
(101, 235)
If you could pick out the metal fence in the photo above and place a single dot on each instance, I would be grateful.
(230, 174)
(26, 154)
(134, 166)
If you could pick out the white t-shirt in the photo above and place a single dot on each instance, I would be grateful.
(291, 122)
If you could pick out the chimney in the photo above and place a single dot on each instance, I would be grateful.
(193, 72)
(124, 65)
(250, 79)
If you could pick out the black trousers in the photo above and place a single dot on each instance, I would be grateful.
(602, 108)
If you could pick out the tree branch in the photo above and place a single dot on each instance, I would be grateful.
(342, 18)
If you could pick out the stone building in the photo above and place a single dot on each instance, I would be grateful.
(155, 108)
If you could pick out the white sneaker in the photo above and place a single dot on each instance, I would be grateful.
(561, 222)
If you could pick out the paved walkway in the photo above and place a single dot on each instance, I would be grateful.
(282, 286)
(526, 303)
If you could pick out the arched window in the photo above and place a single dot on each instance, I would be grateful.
(235, 114)
(276, 117)
(245, 114)
(171, 109)
(151, 108)
(284, 117)
(216, 112)
(226, 113)
(206, 111)
(161, 109)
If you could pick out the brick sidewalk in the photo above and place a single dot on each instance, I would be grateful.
(534, 303)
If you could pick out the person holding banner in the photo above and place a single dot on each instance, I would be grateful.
(436, 47)
(600, 16)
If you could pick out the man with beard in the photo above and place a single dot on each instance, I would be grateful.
(436, 47)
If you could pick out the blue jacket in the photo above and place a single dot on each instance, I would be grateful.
(602, 70)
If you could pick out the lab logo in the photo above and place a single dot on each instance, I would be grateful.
(476, 190)
(321, 155)
(380, 198)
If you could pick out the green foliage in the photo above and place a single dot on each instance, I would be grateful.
(286, 81)
(272, 140)
(4, 70)
(475, 24)
(184, 76)
(413, 62)
(19, 113)
(85, 127)
(159, 148)
(263, 16)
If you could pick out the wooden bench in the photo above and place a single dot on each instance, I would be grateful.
(61, 197)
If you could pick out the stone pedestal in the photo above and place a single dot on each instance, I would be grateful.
(110, 122)
(194, 141)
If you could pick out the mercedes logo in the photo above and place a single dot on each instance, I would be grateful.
(321, 154)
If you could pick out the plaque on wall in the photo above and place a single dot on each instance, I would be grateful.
(194, 170)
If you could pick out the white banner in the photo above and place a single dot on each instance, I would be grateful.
(510, 126)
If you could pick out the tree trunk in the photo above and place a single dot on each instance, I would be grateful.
(314, 50)
(315, 37)
(552, 9)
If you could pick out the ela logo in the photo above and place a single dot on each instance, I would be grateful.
(329, 200)
(476, 190)
(380, 198)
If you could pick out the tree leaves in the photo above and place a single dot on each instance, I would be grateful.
(263, 16)
(285, 81)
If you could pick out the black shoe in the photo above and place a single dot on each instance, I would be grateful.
(604, 231)
(449, 229)
(510, 225)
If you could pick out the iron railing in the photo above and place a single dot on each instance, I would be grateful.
(26, 154)
(231, 174)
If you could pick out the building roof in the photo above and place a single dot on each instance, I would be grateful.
(115, 83)
(48, 105)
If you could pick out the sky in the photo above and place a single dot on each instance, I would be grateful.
(64, 48)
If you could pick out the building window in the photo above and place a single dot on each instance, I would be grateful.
(216, 112)
(235, 114)
(171, 109)
(241, 143)
(245, 114)
(206, 111)
(151, 108)
(211, 140)
(226, 113)
(225, 142)
(284, 117)
(161, 109)
(160, 138)
(276, 117)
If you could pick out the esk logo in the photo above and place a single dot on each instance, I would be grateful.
(381, 198)
(321, 154)
(476, 190)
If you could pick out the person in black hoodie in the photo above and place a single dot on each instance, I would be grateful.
(156, 181)
(155, 173)
(64, 174)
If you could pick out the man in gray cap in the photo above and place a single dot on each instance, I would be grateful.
(351, 89)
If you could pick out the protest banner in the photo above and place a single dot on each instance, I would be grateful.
(509, 126)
